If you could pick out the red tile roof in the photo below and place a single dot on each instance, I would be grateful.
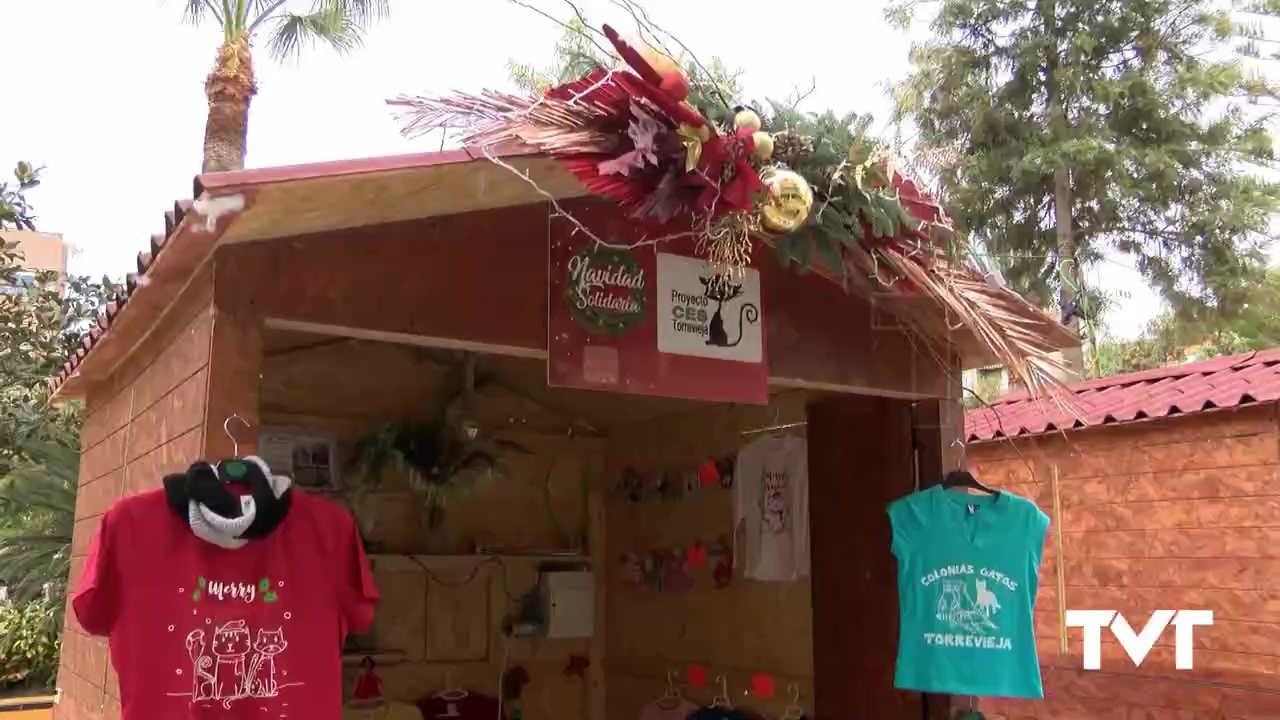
(1223, 382)
(132, 281)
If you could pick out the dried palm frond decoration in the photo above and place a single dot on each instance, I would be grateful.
(666, 146)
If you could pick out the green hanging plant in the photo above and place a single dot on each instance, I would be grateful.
(437, 456)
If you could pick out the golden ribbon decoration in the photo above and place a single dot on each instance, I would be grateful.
(692, 138)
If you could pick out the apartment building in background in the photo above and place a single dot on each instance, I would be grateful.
(41, 251)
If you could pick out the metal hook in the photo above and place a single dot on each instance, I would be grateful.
(794, 711)
(226, 428)
(722, 700)
(673, 690)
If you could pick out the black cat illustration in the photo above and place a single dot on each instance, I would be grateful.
(721, 290)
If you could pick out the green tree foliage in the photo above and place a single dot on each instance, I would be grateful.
(574, 55)
(37, 517)
(1171, 339)
(43, 319)
(29, 643)
(1133, 117)
(15, 214)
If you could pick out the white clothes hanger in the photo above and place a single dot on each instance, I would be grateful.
(722, 700)
(671, 697)
(226, 428)
(794, 711)
(450, 693)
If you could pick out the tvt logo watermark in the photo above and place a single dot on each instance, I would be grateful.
(1137, 645)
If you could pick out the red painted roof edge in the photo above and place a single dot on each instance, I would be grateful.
(1017, 415)
(252, 177)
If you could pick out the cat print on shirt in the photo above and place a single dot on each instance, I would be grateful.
(240, 668)
(230, 647)
(236, 660)
(203, 682)
(774, 505)
(261, 679)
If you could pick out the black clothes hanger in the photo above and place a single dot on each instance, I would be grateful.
(965, 479)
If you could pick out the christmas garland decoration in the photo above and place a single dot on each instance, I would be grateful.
(671, 152)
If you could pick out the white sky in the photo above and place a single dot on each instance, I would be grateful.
(113, 104)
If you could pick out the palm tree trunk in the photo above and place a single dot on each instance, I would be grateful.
(229, 89)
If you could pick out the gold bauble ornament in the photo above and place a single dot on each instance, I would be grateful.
(747, 120)
(764, 145)
(787, 202)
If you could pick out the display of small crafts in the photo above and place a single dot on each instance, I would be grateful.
(672, 484)
(672, 570)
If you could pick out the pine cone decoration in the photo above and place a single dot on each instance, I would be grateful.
(790, 148)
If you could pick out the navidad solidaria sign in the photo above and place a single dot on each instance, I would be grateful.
(607, 290)
(625, 317)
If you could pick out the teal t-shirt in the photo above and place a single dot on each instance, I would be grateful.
(968, 569)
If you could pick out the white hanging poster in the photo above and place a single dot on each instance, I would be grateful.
(702, 317)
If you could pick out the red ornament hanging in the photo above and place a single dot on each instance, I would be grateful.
(368, 684)
(762, 685)
(708, 473)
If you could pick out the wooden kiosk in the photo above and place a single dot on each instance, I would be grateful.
(320, 302)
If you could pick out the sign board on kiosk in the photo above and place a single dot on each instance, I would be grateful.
(649, 319)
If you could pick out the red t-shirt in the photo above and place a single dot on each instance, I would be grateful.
(200, 631)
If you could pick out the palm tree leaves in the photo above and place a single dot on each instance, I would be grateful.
(329, 22)
(37, 517)
(338, 23)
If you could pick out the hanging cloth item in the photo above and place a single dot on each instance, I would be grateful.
(771, 505)
(203, 498)
(197, 630)
(968, 570)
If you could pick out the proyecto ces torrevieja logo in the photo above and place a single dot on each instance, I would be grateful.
(1137, 645)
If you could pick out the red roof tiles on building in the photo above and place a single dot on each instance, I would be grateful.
(1223, 382)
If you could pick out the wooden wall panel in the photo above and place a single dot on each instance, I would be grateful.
(441, 606)
(748, 627)
(426, 277)
(1165, 514)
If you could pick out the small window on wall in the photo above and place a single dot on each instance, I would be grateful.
(308, 457)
